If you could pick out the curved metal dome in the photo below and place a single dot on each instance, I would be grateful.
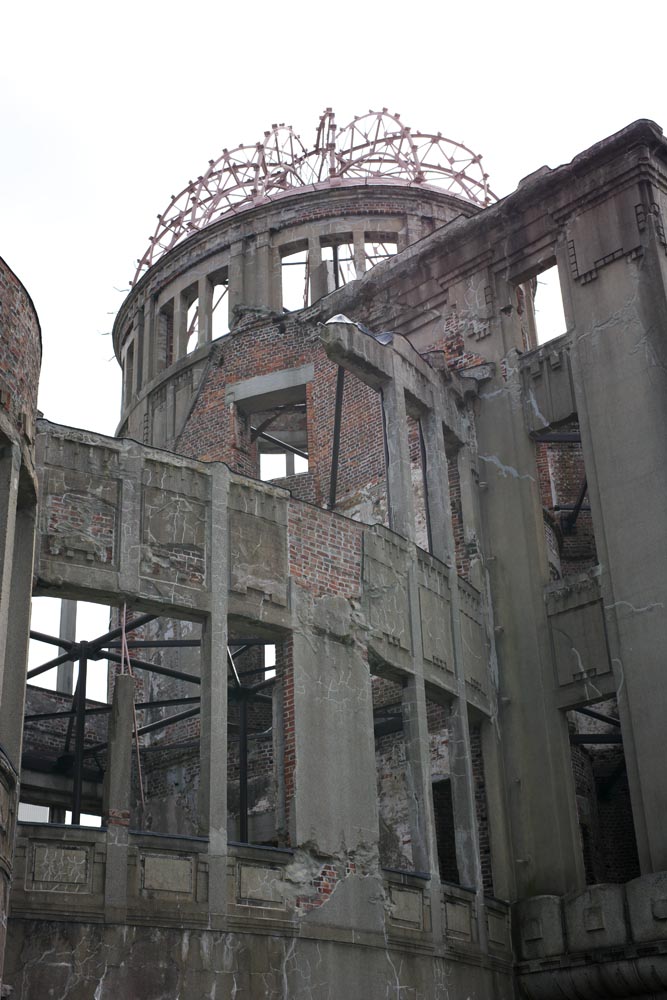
(376, 147)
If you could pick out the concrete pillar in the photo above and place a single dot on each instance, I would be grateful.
(67, 630)
(12, 694)
(399, 476)
(275, 296)
(437, 486)
(334, 809)
(149, 361)
(212, 804)
(619, 329)
(180, 333)
(138, 331)
(359, 241)
(318, 274)
(494, 781)
(10, 465)
(537, 761)
(237, 292)
(204, 311)
(418, 775)
(116, 806)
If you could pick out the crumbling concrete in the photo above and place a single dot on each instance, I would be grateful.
(437, 637)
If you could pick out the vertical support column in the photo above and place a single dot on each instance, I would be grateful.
(399, 476)
(261, 267)
(67, 630)
(17, 543)
(542, 813)
(116, 808)
(359, 240)
(418, 773)
(12, 687)
(619, 331)
(138, 337)
(317, 270)
(501, 857)
(212, 805)
(149, 360)
(10, 465)
(79, 733)
(237, 279)
(462, 781)
(243, 767)
(204, 311)
(437, 486)
(180, 333)
(275, 298)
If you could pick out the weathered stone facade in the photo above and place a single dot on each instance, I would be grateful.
(465, 589)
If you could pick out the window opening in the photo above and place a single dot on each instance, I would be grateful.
(253, 758)
(392, 789)
(378, 250)
(604, 808)
(548, 305)
(339, 261)
(66, 724)
(295, 275)
(282, 440)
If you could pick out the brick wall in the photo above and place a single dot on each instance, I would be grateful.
(324, 551)
(20, 351)
(561, 472)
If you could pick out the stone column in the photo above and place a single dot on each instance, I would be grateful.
(12, 695)
(317, 270)
(180, 333)
(116, 806)
(542, 809)
(204, 311)
(10, 465)
(212, 805)
(137, 340)
(67, 630)
(437, 484)
(237, 278)
(399, 477)
(619, 366)
(359, 241)
(149, 333)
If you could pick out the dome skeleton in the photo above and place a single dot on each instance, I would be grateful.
(376, 147)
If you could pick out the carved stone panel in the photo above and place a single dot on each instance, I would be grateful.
(59, 868)
(498, 929)
(164, 873)
(473, 638)
(80, 515)
(435, 616)
(173, 538)
(258, 542)
(579, 643)
(458, 920)
(407, 907)
(260, 886)
(386, 587)
(174, 525)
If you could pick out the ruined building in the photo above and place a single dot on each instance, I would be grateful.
(386, 583)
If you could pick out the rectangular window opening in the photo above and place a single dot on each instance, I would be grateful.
(295, 277)
(548, 306)
(604, 808)
(256, 753)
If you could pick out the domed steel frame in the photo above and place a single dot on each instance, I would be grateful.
(373, 147)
